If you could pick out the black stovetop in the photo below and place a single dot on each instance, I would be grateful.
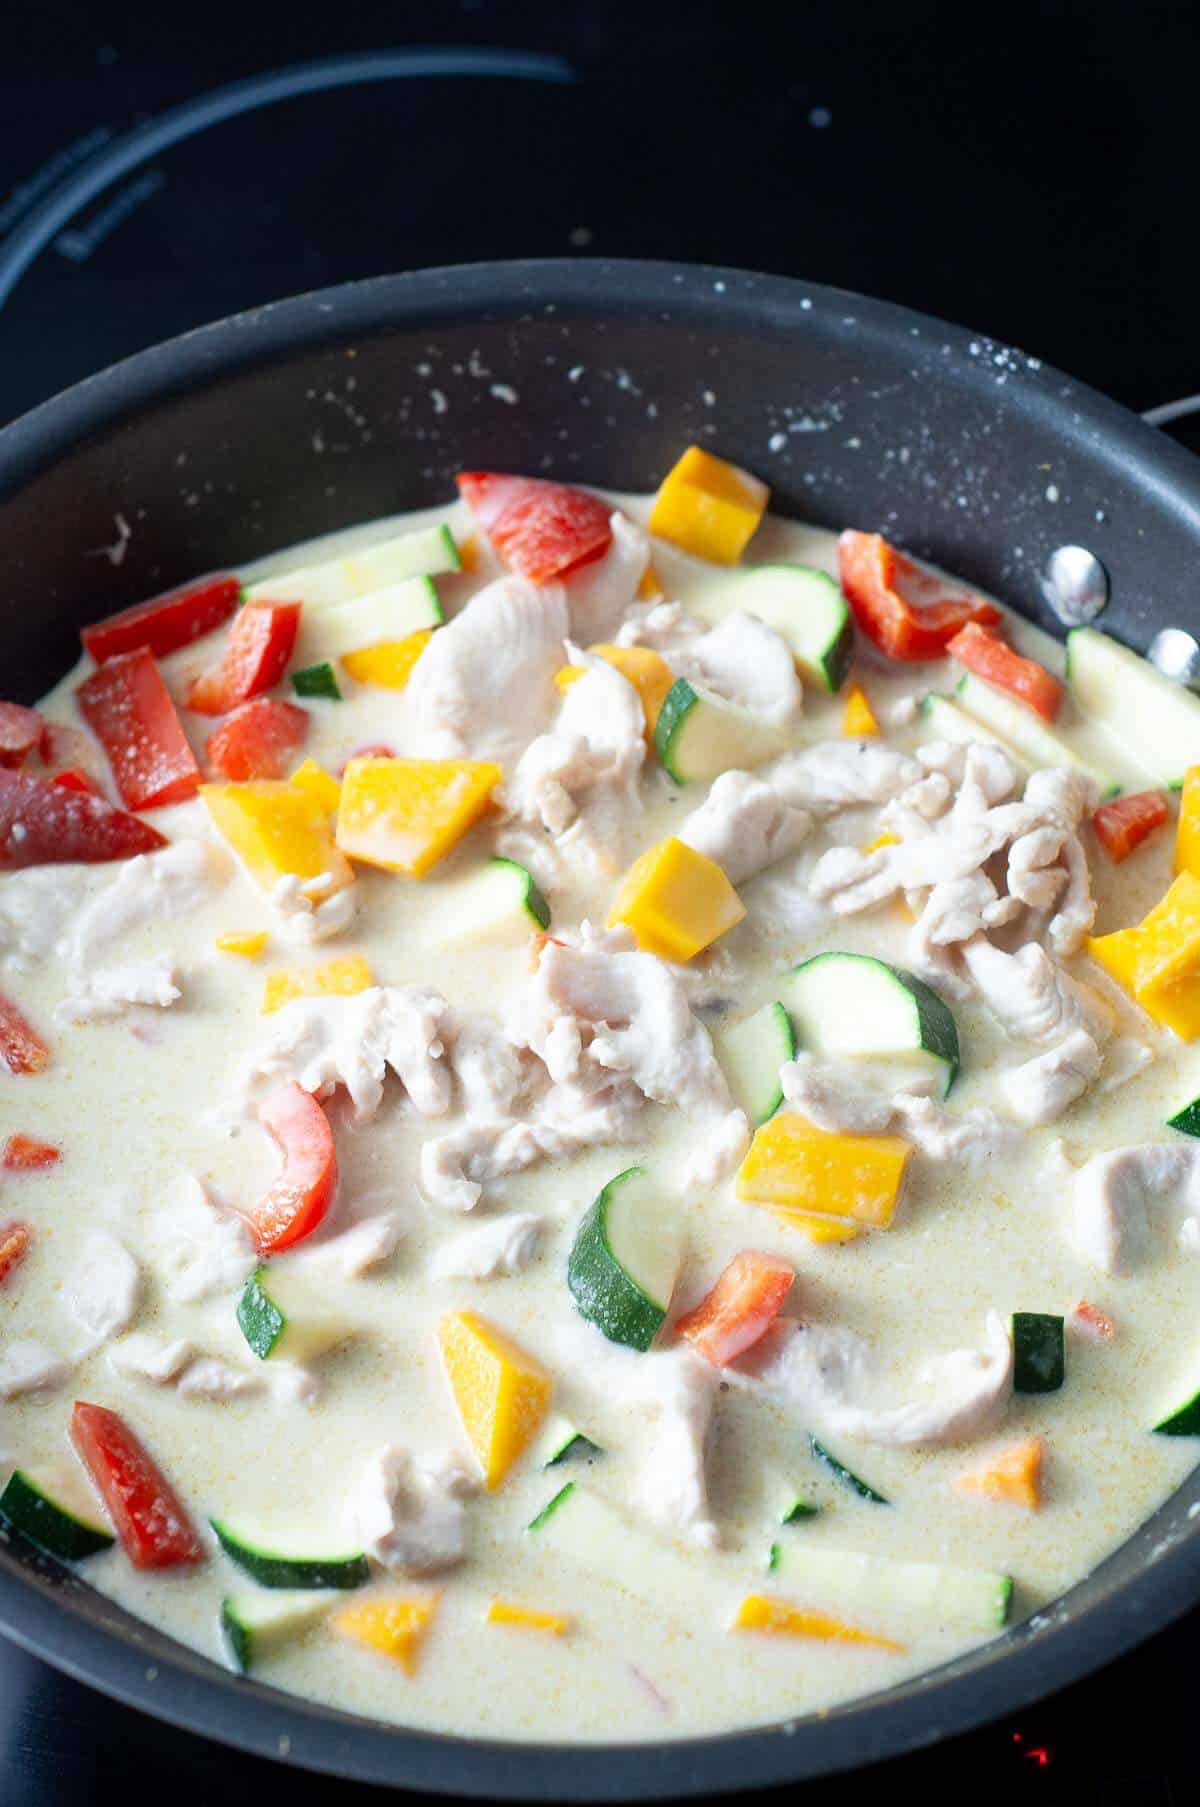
(1025, 170)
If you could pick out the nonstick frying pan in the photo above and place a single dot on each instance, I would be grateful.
(333, 408)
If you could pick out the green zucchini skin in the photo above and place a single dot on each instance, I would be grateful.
(604, 1292)
(845, 1475)
(799, 1509)
(1187, 1121)
(317, 680)
(551, 1507)
(679, 699)
(261, 1321)
(29, 1510)
(270, 1569)
(876, 989)
(1039, 1356)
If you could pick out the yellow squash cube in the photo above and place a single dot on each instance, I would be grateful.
(793, 1167)
(501, 1393)
(393, 1625)
(389, 665)
(406, 814)
(676, 901)
(333, 978)
(278, 832)
(1187, 834)
(759, 1613)
(858, 718)
(248, 944)
(645, 669)
(1158, 961)
(526, 1618)
(317, 782)
(1118, 955)
(650, 587)
(708, 507)
(823, 1229)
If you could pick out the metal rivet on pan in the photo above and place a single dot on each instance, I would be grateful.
(1075, 585)
(1176, 653)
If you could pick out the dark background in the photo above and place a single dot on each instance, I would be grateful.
(1028, 171)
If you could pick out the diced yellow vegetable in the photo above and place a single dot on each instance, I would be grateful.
(676, 901)
(882, 840)
(645, 669)
(501, 1393)
(1118, 955)
(248, 944)
(468, 554)
(506, 1612)
(342, 978)
(389, 665)
(758, 1613)
(318, 783)
(406, 814)
(650, 587)
(1014, 1475)
(793, 1167)
(1187, 835)
(858, 718)
(709, 507)
(278, 832)
(566, 675)
(823, 1229)
(1158, 961)
(393, 1625)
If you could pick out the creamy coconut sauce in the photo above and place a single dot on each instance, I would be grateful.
(142, 1101)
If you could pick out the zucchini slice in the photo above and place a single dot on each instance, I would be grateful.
(289, 1558)
(1156, 718)
(561, 1441)
(390, 614)
(845, 1475)
(599, 1540)
(946, 721)
(257, 1624)
(1182, 1415)
(501, 903)
(807, 609)
(1187, 1120)
(1039, 1358)
(284, 1319)
(317, 680)
(929, 1592)
(1020, 730)
(425, 553)
(751, 1054)
(624, 1261)
(700, 735)
(853, 1004)
(55, 1509)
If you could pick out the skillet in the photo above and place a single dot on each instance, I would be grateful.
(332, 408)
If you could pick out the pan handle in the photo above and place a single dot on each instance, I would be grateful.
(1167, 412)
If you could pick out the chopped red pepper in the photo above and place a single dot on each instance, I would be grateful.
(25, 1154)
(257, 740)
(22, 732)
(988, 656)
(129, 709)
(300, 1197)
(1124, 823)
(150, 1519)
(741, 1307)
(76, 779)
(167, 622)
(22, 1049)
(15, 1239)
(541, 530)
(908, 612)
(255, 658)
(47, 824)
(1093, 1322)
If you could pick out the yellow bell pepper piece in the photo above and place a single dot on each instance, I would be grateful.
(566, 675)
(650, 587)
(645, 669)
(468, 554)
(389, 665)
(676, 901)
(406, 814)
(393, 1625)
(858, 718)
(317, 782)
(506, 1612)
(758, 1613)
(501, 1393)
(882, 840)
(1158, 961)
(333, 979)
(823, 1229)
(248, 944)
(277, 832)
(1118, 955)
(1014, 1475)
(1187, 834)
(793, 1167)
(709, 507)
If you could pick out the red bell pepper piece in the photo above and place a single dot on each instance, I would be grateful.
(909, 613)
(76, 779)
(990, 658)
(255, 658)
(22, 732)
(257, 740)
(300, 1197)
(741, 1307)
(22, 1049)
(15, 1239)
(129, 710)
(1093, 1322)
(47, 824)
(541, 530)
(150, 1519)
(167, 622)
(1124, 823)
(25, 1154)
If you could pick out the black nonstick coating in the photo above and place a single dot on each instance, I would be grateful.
(333, 408)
